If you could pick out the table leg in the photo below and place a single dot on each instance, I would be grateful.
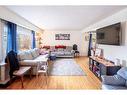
(22, 81)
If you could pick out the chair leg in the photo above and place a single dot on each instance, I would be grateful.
(22, 81)
(30, 72)
(37, 75)
(47, 69)
(46, 76)
(78, 54)
(75, 54)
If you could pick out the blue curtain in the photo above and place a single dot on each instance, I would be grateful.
(33, 42)
(11, 39)
(90, 45)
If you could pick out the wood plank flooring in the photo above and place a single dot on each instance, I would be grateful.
(61, 82)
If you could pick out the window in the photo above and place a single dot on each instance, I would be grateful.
(3, 39)
(24, 39)
(39, 40)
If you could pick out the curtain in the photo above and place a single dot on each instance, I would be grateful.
(90, 45)
(12, 35)
(33, 40)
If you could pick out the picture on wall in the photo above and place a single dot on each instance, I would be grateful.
(62, 36)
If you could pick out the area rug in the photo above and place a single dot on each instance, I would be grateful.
(65, 67)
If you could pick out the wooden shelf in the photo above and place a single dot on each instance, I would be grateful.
(102, 61)
(102, 67)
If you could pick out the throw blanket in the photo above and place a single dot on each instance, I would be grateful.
(12, 60)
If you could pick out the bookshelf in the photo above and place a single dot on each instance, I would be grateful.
(102, 67)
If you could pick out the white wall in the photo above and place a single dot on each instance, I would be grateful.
(75, 38)
(8, 15)
(113, 52)
(84, 44)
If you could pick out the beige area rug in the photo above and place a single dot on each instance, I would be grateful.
(65, 67)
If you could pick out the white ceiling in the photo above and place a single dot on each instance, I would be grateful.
(64, 17)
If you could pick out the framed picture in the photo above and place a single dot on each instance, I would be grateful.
(62, 36)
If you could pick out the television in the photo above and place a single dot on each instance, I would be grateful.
(109, 35)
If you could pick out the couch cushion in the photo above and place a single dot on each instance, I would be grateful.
(60, 49)
(21, 56)
(69, 48)
(111, 87)
(29, 62)
(43, 51)
(113, 80)
(60, 53)
(33, 62)
(28, 55)
(123, 72)
(68, 53)
(126, 83)
(35, 52)
(41, 57)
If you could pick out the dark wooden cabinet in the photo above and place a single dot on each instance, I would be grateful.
(102, 67)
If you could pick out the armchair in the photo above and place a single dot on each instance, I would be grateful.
(118, 81)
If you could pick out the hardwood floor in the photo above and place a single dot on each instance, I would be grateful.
(61, 82)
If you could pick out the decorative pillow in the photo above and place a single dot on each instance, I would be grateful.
(69, 48)
(123, 72)
(33, 52)
(60, 46)
(46, 47)
(37, 52)
(56, 47)
(42, 51)
(64, 47)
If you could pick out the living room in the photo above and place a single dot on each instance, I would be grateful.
(63, 41)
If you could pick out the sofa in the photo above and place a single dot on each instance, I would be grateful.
(65, 51)
(118, 81)
(32, 58)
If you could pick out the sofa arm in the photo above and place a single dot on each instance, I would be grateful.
(28, 63)
(113, 80)
(72, 51)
